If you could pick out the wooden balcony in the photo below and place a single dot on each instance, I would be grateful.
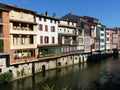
(23, 32)
(34, 59)
(23, 46)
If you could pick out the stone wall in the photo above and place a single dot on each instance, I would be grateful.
(27, 69)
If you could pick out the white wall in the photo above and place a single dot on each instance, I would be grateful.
(48, 33)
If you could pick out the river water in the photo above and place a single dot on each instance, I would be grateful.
(74, 77)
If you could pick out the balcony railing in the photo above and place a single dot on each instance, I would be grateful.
(22, 28)
(23, 46)
(22, 32)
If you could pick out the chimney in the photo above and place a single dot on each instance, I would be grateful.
(46, 13)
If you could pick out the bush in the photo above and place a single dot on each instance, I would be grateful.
(48, 87)
(52, 88)
(6, 77)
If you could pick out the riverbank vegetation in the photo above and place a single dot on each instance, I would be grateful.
(52, 88)
(6, 77)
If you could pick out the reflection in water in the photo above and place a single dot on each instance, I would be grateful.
(76, 77)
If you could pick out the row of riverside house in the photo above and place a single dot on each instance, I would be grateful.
(34, 42)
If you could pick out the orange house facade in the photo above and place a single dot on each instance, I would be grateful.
(4, 30)
(21, 34)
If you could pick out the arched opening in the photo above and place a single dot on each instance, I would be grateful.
(43, 70)
(83, 59)
(79, 59)
(59, 63)
(76, 58)
(10, 71)
(66, 63)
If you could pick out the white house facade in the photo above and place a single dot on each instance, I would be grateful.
(47, 37)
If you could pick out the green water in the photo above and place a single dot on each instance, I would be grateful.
(74, 77)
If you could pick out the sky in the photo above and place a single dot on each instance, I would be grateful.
(107, 11)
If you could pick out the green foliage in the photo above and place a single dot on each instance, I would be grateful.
(1, 45)
(6, 77)
(66, 88)
(52, 88)
(44, 52)
(48, 87)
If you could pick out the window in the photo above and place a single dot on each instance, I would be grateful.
(115, 40)
(46, 28)
(86, 30)
(80, 32)
(87, 39)
(102, 46)
(107, 33)
(102, 29)
(44, 19)
(97, 46)
(40, 27)
(68, 23)
(80, 40)
(31, 27)
(51, 21)
(40, 18)
(102, 40)
(53, 39)
(52, 29)
(41, 39)
(107, 39)
(73, 31)
(55, 21)
(72, 23)
(31, 39)
(87, 47)
(64, 30)
(102, 34)
(46, 39)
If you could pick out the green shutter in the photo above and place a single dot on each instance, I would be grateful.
(1, 45)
